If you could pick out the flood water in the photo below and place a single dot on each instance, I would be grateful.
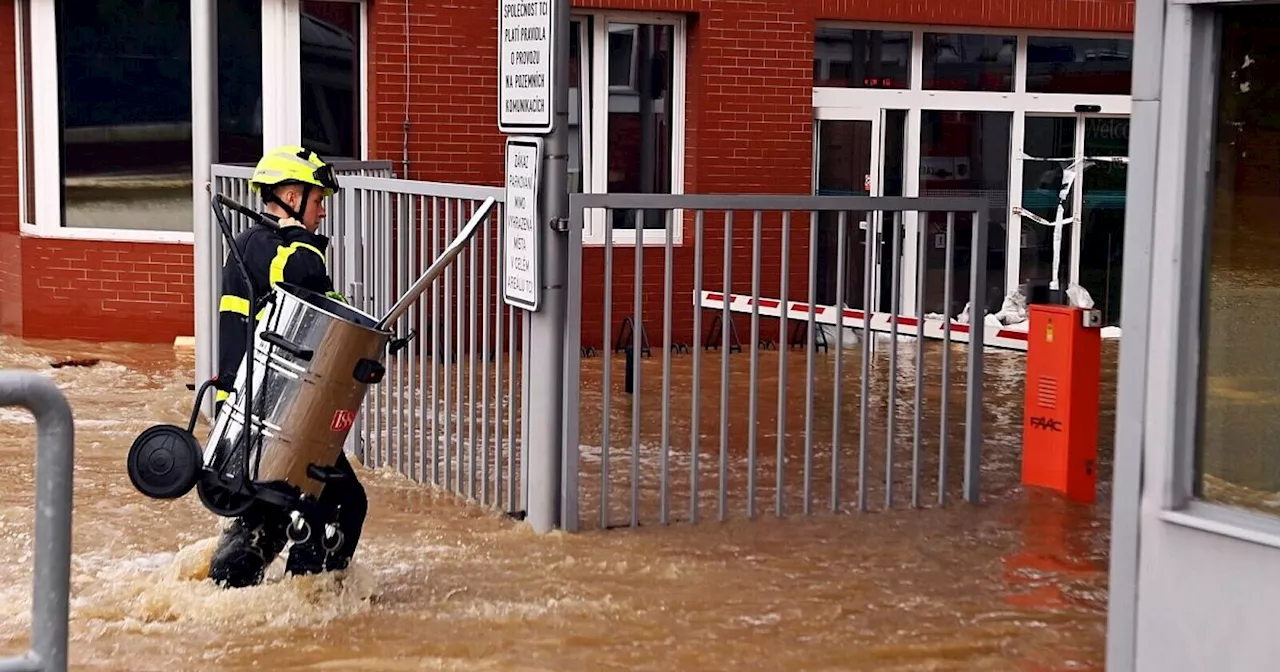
(1016, 583)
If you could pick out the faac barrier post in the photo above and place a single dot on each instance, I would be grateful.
(1060, 416)
(55, 447)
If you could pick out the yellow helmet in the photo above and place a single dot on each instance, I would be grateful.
(293, 164)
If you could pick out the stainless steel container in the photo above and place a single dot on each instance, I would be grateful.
(314, 359)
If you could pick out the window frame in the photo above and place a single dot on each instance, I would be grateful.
(1179, 280)
(594, 96)
(46, 173)
(915, 98)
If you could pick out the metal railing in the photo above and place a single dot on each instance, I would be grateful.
(55, 464)
(446, 412)
(451, 408)
(658, 438)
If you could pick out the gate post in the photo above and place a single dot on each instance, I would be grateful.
(55, 447)
(547, 325)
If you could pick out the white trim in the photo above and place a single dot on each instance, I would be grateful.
(44, 115)
(281, 46)
(596, 151)
(20, 78)
(364, 82)
(44, 118)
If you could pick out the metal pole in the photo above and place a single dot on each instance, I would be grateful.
(547, 326)
(204, 152)
(55, 464)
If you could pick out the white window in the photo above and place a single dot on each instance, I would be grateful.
(626, 118)
(105, 111)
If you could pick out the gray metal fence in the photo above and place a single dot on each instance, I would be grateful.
(55, 464)
(663, 439)
(450, 410)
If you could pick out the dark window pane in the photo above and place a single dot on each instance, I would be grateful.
(1051, 142)
(124, 84)
(239, 81)
(640, 117)
(1238, 454)
(1079, 65)
(29, 142)
(331, 82)
(965, 62)
(878, 59)
(965, 154)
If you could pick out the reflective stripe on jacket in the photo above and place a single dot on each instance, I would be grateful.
(273, 254)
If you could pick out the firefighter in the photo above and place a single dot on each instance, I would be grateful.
(293, 183)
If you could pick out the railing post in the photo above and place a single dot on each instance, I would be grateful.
(55, 447)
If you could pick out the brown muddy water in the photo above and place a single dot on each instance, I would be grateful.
(1016, 583)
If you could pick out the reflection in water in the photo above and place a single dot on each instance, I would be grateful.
(1017, 583)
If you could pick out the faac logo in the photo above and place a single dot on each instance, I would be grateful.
(342, 420)
(1049, 424)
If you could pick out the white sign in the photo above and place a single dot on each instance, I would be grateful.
(524, 66)
(521, 225)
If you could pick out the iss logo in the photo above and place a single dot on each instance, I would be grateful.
(342, 420)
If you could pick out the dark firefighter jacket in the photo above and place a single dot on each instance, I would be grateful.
(273, 254)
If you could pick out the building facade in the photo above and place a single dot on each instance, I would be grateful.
(1024, 101)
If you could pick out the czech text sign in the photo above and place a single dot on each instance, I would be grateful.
(521, 225)
(524, 66)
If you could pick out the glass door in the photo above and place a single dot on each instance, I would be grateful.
(1099, 238)
(847, 156)
(858, 153)
(1074, 172)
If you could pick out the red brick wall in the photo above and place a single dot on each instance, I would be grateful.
(10, 241)
(748, 118)
(748, 129)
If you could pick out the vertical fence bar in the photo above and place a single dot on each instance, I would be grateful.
(727, 290)
(871, 241)
(459, 436)
(403, 229)
(497, 383)
(385, 248)
(511, 407)
(895, 294)
(785, 296)
(695, 421)
(437, 343)
(753, 403)
(450, 272)
(411, 441)
(811, 347)
(949, 268)
(471, 366)
(637, 331)
(973, 390)
(918, 420)
(606, 351)
(665, 456)
(526, 319)
(836, 402)
(485, 355)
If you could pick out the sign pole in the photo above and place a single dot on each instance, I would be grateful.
(533, 80)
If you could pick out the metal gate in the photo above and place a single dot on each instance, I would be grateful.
(450, 410)
(846, 425)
